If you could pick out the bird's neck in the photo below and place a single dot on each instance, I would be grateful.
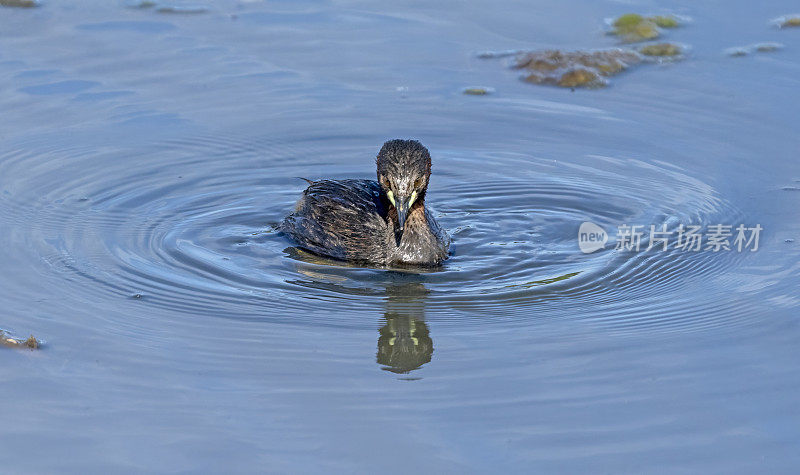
(416, 222)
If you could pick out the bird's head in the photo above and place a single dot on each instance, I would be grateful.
(404, 168)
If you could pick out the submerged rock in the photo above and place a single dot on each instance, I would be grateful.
(498, 54)
(767, 47)
(738, 51)
(575, 68)
(477, 91)
(140, 4)
(661, 49)
(165, 7)
(19, 3)
(184, 9)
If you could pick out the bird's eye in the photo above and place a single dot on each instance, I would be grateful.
(418, 183)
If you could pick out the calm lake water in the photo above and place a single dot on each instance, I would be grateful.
(145, 158)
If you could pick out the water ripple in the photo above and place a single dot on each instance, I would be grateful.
(188, 227)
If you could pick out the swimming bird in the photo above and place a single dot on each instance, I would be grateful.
(383, 222)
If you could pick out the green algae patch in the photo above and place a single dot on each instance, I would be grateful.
(661, 49)
(632, 27)
(788, 21)
(19, 3)
(580, 77)
(7, 340)
(477, 91)
(574, 69)
(665, 21)
(628, 20)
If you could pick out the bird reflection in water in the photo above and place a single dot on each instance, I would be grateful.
(404, 341)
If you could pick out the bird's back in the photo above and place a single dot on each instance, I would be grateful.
(343, 219)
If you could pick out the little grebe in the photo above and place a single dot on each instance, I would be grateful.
(382, 222)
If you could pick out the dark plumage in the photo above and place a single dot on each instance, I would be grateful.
(382, 222)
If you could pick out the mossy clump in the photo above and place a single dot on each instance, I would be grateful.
(580, 77)
(661, 49)
(789, 21)
(477, 91)
(633, 27)
(628, 20)
(575, 68)
(665, 21)
(19, 3)
(7, 340)
(32, 343)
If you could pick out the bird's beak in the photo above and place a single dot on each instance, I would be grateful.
(402, 205)
(402, 212)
